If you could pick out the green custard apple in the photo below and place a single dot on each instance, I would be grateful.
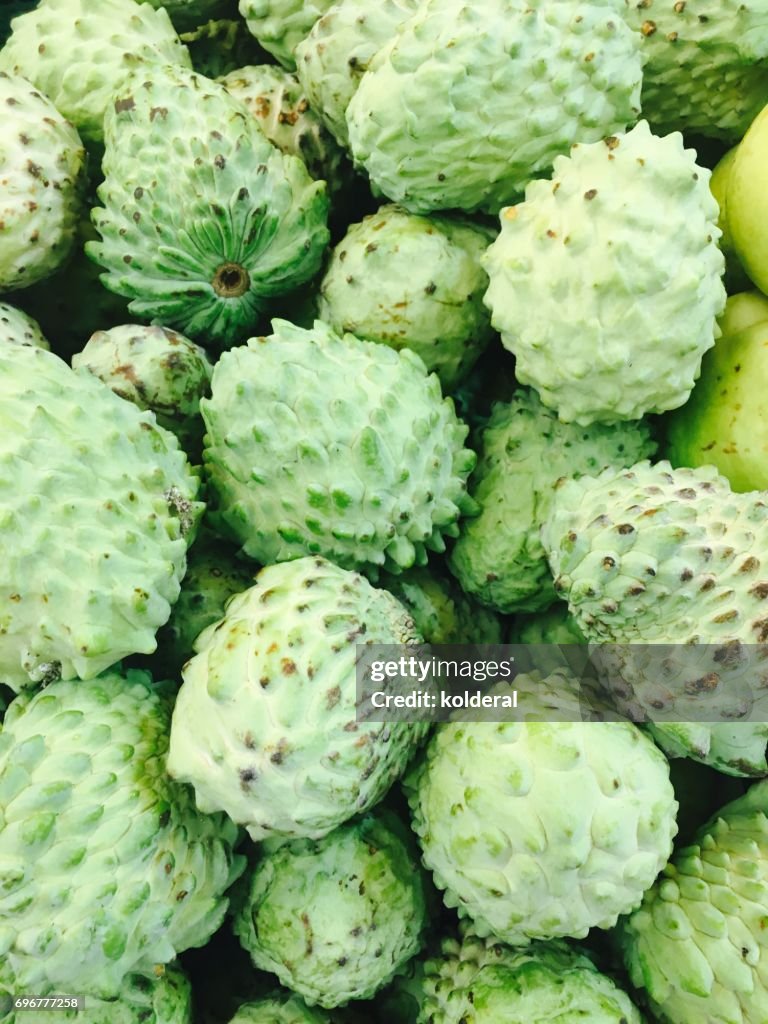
(17, 328)
(280, 1009)
(280, 25)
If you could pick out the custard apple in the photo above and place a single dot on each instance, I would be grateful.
(17, 328)
(280, 1009)
(279, 25)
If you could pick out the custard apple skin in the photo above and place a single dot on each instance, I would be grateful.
(280, 1009)
(97, 506)
(265, 723)
(698, 944)
(192, 230)
(329, 445)
(17, 328)
(606, 281)
(280, 25)
(42, 182)
(524, 449)
(109, 869)
(359, 893)
(468, 102)
(412, 282)
(524, 853)
(79, 53)
(484, 982)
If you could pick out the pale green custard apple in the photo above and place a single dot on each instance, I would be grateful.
(540, 828)
(280, 25)
(335, 918)
(280, 1009)
(17, 328)
(698, 944)
(523, 451)
(42, 184)
(468, 102)
(97, 508)
(265, 724)
(79, 53)
(329, 445)
(605, 282)
(415, 282)
(481, 981)
(108, 869)
(203, 219)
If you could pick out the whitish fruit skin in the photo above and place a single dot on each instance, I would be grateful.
(97, 505)
(280, 25)
(698, 944)
(16, 328)
(542, 829)
(79, 53)
(280, 1009)
(468, 102)
(747, 201)
(42, 180)
(605, 282)
(192, 230)
(265, 722)
(412, 282)
(359, 892)
(321, 444)
(483, 981)
(523, 451)
(110, 870)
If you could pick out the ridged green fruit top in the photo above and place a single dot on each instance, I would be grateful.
(265, 723)
(17, 328)
(280, 25)
(280, 1009)
(108, 869)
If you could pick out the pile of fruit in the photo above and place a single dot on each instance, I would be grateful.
(329, 323)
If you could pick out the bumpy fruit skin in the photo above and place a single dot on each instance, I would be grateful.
(16, 328)
(412, 282)
(265, 723)
(321, 444)
(79, 53)
(704, 64)
(280, 1009)
(468, 102)
(542, 829)
(108, 867)
(280, 25)
(698, 943)
(605, 282)
(203, 218)
(42, 181)
(359, 893)
(523, 451)
(97, 505)
(483, 982)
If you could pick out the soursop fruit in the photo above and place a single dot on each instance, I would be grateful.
(484, 982)
(322, 444)
(97, 505)
(108, 868)
(468, 102)
(280, 1009)
(203, 218)
(17, 328)
(335, 918)
(542, 828)
(698, 944)
(705, 64)
(605, 282)
(156, 369)
(524, 450)
(412, 282)
(265, 722)
(42, 184)
(279, 25)
(80, 52)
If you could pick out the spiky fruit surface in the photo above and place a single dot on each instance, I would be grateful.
(109, 868)
(279, 25)
(282, 1009)
(705, 64)
(156, 369)
(335, 55)
(321, 444)
(524, 450)
(462, 108)
(203, 218)
(698, 944)
(358, 892)
(264, 725)
(79, 53)
(17, 328)
(525, 854)
(97, 505)
(483, 982)
(624, 240)
(412, 282)
(42, 180)
(442, 612)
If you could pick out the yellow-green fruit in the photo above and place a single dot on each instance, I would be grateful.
(747, 201)
(735, 275)
(743, 310)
